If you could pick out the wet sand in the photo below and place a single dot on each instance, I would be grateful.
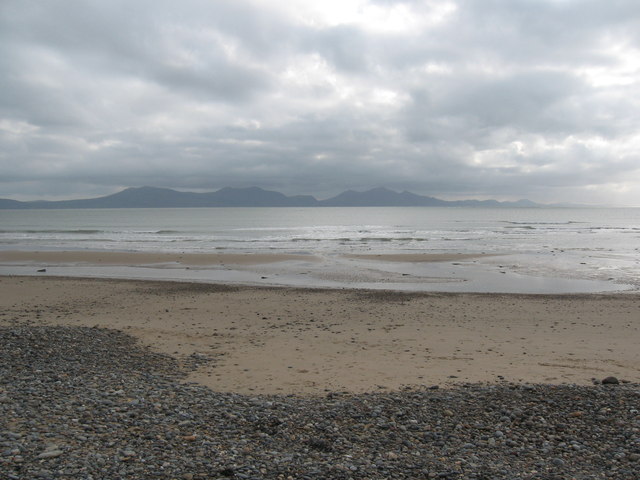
(417, 257)
(142, 258)
(417, 272)
(288, 340)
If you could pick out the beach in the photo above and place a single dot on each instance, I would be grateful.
(147, 379)
(266, 340)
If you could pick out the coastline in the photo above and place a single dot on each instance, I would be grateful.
(78, 257)
(405, 272)
(265, 340)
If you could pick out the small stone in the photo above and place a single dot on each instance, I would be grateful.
(319, 444)
(558, 462)
(447, 413)
(50, 454)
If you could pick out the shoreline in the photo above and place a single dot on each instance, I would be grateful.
(202, 259)
(410, 272)
(283, 340)
(147, 258)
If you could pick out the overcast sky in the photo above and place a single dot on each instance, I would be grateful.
(457, 99)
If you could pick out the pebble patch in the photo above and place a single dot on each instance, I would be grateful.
(91, 403)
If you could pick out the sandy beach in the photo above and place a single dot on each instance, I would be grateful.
(306, 341)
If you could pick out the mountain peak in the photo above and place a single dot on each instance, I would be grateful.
(158, 197)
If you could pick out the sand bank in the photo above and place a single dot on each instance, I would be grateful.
(285, 340)
(142, 258)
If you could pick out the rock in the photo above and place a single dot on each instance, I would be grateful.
(319, 444)
(50, 454)
(610, 381)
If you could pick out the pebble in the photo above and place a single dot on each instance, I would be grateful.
(82, 403)
(50, 454)
(610, 381)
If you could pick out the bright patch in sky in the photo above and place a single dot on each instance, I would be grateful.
(624, 69)
(382, 17)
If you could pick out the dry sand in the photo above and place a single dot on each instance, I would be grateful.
(270, 340)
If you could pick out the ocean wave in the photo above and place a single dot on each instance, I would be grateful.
(73, 231)
(464, 239)
(512, 222)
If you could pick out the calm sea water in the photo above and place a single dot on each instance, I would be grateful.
(588, 243)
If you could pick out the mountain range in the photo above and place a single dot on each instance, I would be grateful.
(154, 197)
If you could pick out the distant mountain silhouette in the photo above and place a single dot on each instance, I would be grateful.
(381, 197)
(154, 197)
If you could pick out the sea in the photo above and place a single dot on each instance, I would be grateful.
(585, 249)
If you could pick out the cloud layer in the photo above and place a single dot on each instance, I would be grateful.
(458, 99)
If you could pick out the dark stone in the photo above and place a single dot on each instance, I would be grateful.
(610, 381)
(319, 444)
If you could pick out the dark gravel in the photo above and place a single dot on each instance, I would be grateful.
(90, 403)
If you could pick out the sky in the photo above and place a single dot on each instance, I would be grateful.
(458, 99)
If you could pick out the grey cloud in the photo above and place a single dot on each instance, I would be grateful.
(344, 47)
(549, 32)
(131, 40)
(467, 108)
